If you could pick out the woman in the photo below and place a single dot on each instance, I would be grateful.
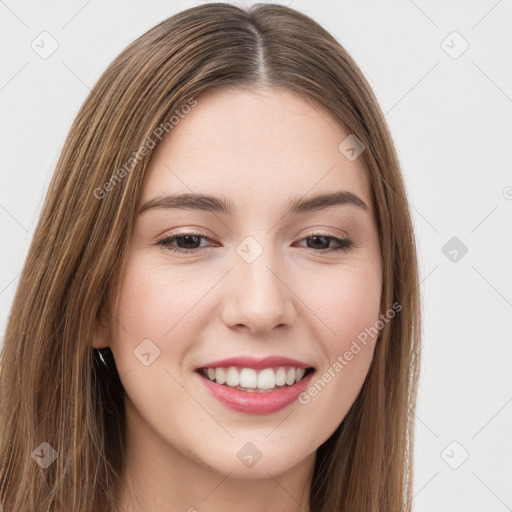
(220, 306)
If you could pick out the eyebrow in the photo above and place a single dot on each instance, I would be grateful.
(206, 202)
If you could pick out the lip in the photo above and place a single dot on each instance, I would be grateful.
(256, 364)
(256, 403)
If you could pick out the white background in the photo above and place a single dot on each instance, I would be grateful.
(451, 121)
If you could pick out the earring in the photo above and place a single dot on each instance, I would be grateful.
(100, 354)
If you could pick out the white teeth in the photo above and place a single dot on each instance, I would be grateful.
(248, 378)
(233, 377)
(266, 379)
(281, 377)
(220, 375)
(251, 379)
(290, 376)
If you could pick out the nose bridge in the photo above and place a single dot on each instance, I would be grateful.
(259, 297)
(256, 276)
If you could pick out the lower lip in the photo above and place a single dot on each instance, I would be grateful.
(256, 403)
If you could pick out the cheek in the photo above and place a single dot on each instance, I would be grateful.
(147, 310)
(348, 307)
(356, 310)
(154, 302)
(166, 306)
(153, 330)
(346, 303)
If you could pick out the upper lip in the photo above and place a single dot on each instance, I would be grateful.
(257, 364)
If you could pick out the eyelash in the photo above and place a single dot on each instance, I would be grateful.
(344, 244)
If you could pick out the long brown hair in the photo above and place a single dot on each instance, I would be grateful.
(58, 401)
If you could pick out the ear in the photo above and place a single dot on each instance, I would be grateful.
(101, 338)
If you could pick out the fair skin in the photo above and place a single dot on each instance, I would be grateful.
(258, 149)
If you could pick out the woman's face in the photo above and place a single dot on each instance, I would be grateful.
(259, 281)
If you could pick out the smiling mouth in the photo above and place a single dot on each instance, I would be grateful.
(267, 380)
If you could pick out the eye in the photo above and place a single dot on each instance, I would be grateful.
(191, 241)
(342, 244)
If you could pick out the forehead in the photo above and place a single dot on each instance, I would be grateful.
(256, 147)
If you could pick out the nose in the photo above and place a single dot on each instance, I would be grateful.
(260, 295)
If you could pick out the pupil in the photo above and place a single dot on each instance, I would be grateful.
(316, 238)
(188, 237)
